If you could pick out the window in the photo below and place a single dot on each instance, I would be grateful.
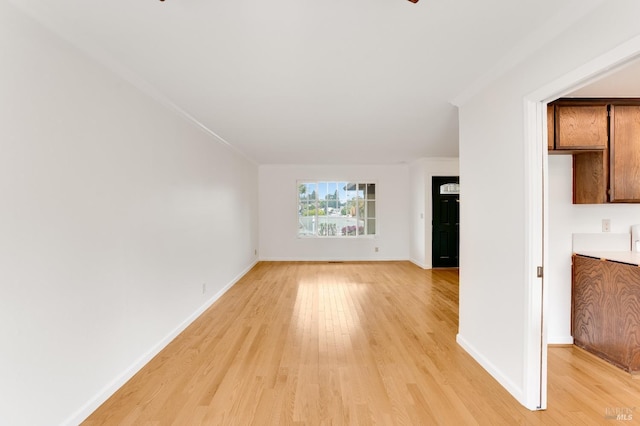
(450, 189)
(336, 209)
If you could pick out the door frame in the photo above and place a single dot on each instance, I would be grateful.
(431, 185)
(536, 216)
(444, 166)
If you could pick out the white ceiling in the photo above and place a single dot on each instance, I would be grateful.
(313, 81)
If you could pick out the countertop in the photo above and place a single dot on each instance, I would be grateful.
(629, 257)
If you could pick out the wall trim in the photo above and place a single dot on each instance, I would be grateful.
(560, 340)
(534, 356)
(92, 404)
(589, 72)
(509, 385)
(331, 259)
(419, 264)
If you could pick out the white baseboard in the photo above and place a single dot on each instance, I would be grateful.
(507, 383)
(85, 411)
(560, 340)
(330, 259)
(420, 264)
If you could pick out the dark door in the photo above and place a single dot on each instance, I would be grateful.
(446, 221)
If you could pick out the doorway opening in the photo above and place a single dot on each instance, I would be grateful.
(445, 245)
(537, 240)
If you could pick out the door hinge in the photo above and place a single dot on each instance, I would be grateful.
(539, 270)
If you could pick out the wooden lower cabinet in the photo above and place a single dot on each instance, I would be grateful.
(606, 310)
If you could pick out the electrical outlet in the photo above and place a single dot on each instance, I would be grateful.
(204, 288)
(606, 225)
(376, 249)
(255, 252)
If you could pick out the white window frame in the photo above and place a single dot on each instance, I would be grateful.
(369, 202)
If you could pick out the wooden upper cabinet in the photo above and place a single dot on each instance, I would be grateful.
(581, 126)
(550, 127)
(625, 153)
(603, 135)
(590, 177)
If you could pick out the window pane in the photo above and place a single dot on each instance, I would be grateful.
(342, 196)
(311, 191)
(305, 225)
(322, 189)
(361, 205)
(322, 200)
(371, 209)
(306, 208)
(302, 191)
(450, 188)
(351, 200)
(323, 226)
(371, 191)
(332, 198)
(371, 226)
(349, 228)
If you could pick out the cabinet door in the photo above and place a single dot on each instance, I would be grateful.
(625, 153)
(605, 310)
(590, 177)
(581, 126)
(551, 123)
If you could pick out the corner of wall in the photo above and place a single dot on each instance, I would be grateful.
(420, 264)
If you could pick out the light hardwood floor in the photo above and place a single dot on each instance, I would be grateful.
(347, 344)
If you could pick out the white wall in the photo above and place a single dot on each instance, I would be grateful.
(566, 219)
(113, 213)
(420, 173)
(278, 214)
(493, 314)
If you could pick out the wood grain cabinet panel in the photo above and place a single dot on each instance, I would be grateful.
(603, 135)
(590, 177)
(581, 126)
(625, 153)
(551, 127)
(606, 310)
